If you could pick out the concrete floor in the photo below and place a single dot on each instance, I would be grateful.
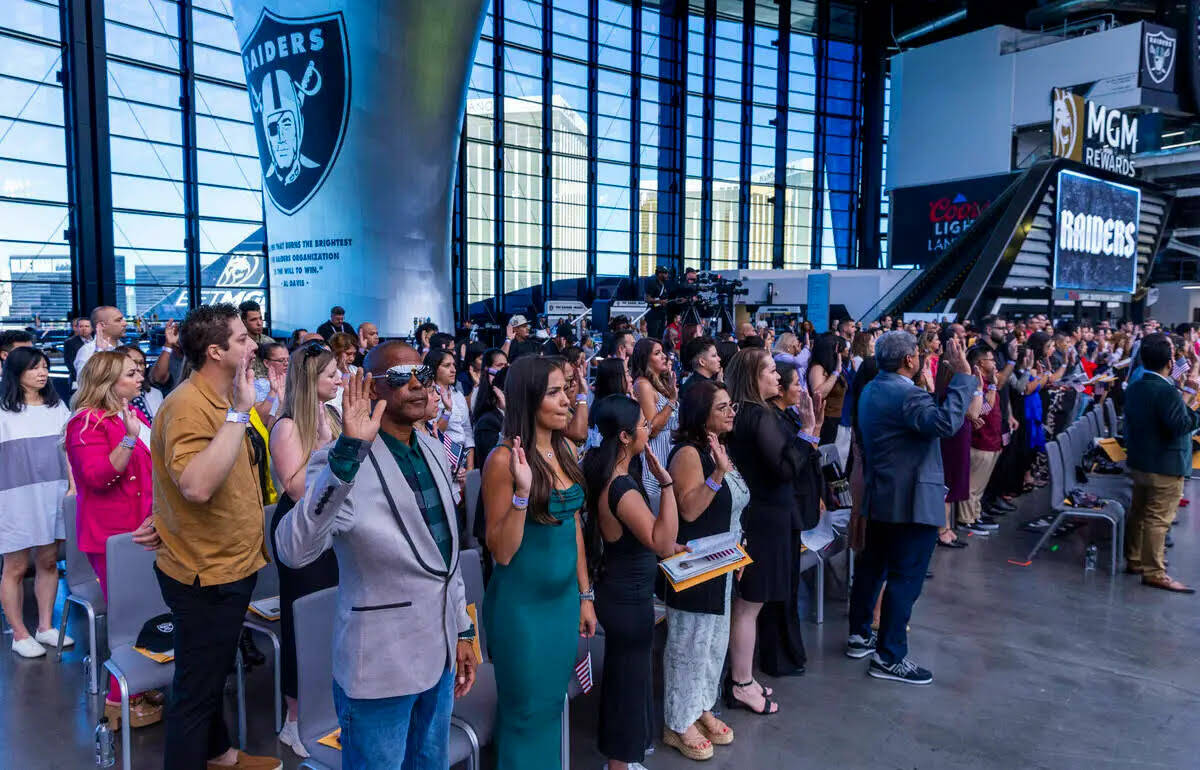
(1043, 666)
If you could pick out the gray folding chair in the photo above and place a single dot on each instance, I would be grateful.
(315, 616)
(474, 715)
(1073, 443)
(83, 589)
(133, 598)
(471, 492)
(1112, 512)
(267, 587)
(1110, 412)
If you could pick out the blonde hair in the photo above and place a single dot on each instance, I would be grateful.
(301, 403)
(783, 342)
(96, 382)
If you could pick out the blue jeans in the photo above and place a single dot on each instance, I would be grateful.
(899, 554)
(407, 732)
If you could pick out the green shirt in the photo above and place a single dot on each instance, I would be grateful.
(344, 462)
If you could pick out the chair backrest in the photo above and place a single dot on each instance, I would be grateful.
(268, 577)
(1094, 425)
(1057, 491)
(1110, 411)
(133, 593)
(315, 616)
(79, 569)
(472, 491)
(471, 564)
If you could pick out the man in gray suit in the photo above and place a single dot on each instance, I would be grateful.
(381, 498)
(904, 500)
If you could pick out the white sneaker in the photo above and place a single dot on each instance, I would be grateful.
(28, 648)
(290, 736)
(49, 637)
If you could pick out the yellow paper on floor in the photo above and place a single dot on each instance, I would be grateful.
(475, 622)
(1114, 450)
(333, 740)
(1196, 461)
(157, 657)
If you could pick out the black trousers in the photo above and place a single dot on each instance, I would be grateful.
(208, 623)
(780, 641)
(899, 554)
(626, 724)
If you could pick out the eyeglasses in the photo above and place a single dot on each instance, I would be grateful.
(398, 376)
(728, 406)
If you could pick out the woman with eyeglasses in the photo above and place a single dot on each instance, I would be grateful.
(655, 391)
(452, 418)
(711, 495)
(107, 444)
(762, 447)
(539, 598)
(32, 418)
(625, 540)
(306, 423)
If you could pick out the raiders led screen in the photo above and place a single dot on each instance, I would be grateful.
(1096, 229)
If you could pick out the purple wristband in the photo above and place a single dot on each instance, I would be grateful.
(714, 486)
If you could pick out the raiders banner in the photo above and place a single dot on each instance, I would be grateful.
(1157, 69)
(1096, 230)
(357, 106)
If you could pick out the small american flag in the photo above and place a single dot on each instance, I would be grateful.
(451, 451)
(583, 672)
(1180, 368)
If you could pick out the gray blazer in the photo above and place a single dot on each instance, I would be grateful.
(400, 608)
(901, 426)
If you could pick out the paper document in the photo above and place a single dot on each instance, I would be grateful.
(710, 557)
(267, 609)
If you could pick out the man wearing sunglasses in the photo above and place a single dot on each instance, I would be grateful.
(381, 498)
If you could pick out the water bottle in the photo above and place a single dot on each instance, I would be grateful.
(1089, 558)
(106, 755)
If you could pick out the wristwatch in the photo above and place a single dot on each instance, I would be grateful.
(235, 416)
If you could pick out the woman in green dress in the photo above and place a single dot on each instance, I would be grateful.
(539, 597)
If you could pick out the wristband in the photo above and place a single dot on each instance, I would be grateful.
(991, 388)
(520, 503)
(977, 394)
(129, 442)
(235, 416)
(714, 486)
(581, 398)
(588, 595)
(808, 437)
(1190, 391)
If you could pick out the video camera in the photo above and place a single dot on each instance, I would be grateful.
(708, 281)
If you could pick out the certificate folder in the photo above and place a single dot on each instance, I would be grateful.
(710, 557)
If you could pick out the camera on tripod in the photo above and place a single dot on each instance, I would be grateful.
(708, 281)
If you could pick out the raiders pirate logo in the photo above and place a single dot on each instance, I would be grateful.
(298, 75)
(1160, 55)
(1067, 124)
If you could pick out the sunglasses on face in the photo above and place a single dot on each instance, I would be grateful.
(398, 376)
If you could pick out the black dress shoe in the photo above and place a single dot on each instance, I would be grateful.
(252, 657)
(1170, 541)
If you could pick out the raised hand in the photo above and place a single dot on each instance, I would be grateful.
(957, 357)
(133, 423)
(243, 387)
(581, 383)
(655, 466)
(719, 455)
(171, 332)
(360, 419)
(518, 466)
(278, 381)
(446, 396)
(806, 411)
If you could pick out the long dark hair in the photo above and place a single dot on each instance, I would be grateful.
(485, 398)
(19, 361)
(695, 406)
(610, 379)
(1038, 341)
(524, 391)
(613, 415)
(825, 352)
(639, 364)
(433, 359)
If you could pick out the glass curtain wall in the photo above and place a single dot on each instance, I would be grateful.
(615, 119)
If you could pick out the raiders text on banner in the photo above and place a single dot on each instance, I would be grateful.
(357, 107)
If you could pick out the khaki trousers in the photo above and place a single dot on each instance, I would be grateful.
(982, 464)
(1155, 503)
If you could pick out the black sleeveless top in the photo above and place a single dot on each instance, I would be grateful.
(629, 566)
(708, 597)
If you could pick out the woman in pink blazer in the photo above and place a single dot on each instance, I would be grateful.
(108, 447)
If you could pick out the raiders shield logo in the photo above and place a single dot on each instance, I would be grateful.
(298, 75)
(1160, 55)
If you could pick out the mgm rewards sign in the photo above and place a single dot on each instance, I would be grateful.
(1092, 134)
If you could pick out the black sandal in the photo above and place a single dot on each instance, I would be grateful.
(733, 703)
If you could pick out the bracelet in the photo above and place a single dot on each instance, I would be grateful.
(991, 388)
(714, 486)
(235, 416)
(664, 486)
(520, 503)
(977, 394)
(674, 405)
(810, 438)
(129, 442)
(581, 398)
(588, 595)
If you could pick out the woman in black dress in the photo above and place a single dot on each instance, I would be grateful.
(624, 542)
(763, 449)
(305, 424)
(780, 642)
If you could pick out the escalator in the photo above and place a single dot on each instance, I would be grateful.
(1008, 252)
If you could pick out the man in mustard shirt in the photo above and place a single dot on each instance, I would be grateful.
(208, 511)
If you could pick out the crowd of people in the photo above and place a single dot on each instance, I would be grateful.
(598, 459)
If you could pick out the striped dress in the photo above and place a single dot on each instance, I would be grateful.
(33, 476)
(661, 446)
